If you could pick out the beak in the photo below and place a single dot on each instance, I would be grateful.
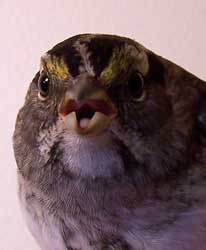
(87, 109)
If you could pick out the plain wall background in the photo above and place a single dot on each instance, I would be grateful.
(172, 28)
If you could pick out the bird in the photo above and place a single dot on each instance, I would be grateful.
(110, 147)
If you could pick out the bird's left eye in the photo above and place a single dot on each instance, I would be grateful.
(43, 86)
(136, 86)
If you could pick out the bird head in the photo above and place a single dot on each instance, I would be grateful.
(85, 70)
(100, 86)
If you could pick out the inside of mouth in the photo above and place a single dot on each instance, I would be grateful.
(85, 112)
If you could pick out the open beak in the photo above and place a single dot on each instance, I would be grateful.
(88, 116)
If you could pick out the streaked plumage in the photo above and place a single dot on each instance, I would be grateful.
(111, 149)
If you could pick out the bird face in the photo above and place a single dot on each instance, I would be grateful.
(102, 86)
(85, 104)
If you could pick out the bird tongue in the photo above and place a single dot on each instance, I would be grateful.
(84, 114)
(84, 122)
(87, 113)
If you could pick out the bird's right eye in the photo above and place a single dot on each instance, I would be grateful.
(43, 86)
(136, 86)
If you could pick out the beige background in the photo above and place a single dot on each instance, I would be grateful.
(174, 29)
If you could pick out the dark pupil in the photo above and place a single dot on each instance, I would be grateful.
(44, 85)
(135, 85)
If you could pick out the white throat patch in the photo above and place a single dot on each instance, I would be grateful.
(84, 156)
